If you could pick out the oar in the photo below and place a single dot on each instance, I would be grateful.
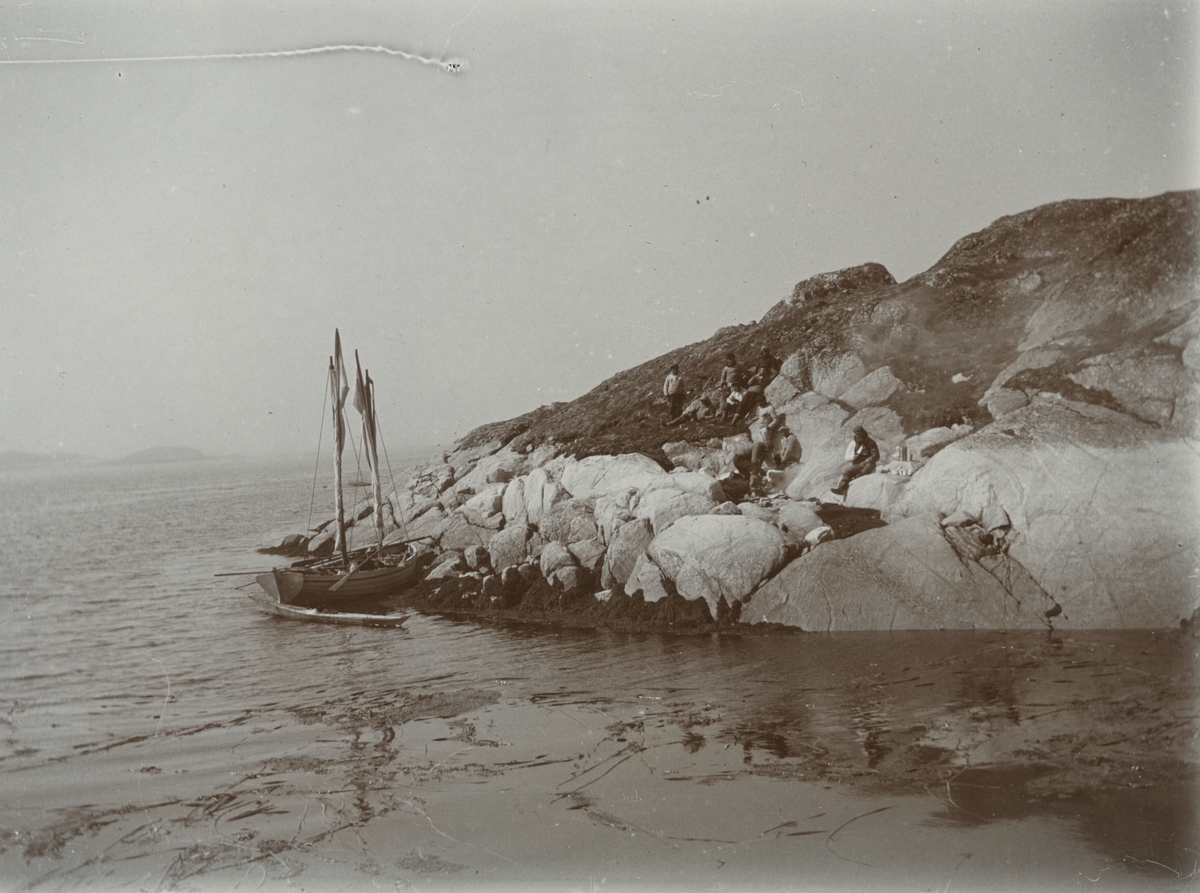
(238, 573)
(338, 585)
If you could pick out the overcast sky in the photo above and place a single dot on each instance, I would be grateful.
(598, 184)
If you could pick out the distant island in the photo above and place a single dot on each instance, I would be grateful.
(162, 455)
(15, 459)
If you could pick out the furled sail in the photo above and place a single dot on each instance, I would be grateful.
(364, 402)
(339, 387)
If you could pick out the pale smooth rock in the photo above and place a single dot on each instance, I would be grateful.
(570, 520)
(1146, 386)
(697, 482)
(509, 547)
(646, 578)
(761, 512)
(568, 578)
(705, 457)
(876, 491)
(833, 375)
(499, 467)
(796, 519)
(780, 390)
(1035, 358)
(452, 566)
(627, 546)
(611, 511)
(927, 443)
(542, 493)
(1097, 503)
(1001, 401)
(555, 555)
(904, 576)
(663, 507)
(513, 502)
(476, 557)
(718, 556)
(487, 502)
(589, 554)
(430, 523)
(872, 389)
(600, 475)
(459, 533)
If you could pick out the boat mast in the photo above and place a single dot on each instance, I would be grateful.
(338, 390)
(364, 401)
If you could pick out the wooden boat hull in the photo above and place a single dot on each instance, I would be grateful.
(309, 589)
(312, 615)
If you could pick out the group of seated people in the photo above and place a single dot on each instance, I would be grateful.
(744, 391)
(773, 446)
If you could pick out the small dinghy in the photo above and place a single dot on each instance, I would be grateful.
(313, 615)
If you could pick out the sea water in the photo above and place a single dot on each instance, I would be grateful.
(134, 679)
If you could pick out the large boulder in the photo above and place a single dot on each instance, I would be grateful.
(797, 519)
(648, 579)
(626, 547)
(876, 491)
(510, 547)
(1145, 384)
(1101, 506)
(569, 521)
(541, 494)
(554, 556)
(663, 507)
(512, 503)
(873, 389)
(498, 467)
(833, 374)
(831, 285)
(705, 457)
(598, 475)
(429, 524)
(612, 510)
(589, 554)
(459, 533)
(824, 429)
(698, 482)
(905, 576)
(487, 502)
(819, 425)
(718, 556)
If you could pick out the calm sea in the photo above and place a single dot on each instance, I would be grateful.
(117, 632)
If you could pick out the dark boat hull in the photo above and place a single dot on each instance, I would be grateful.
(311, 589)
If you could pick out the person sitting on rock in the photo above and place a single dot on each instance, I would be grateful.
(862, 455)
(733, 385)
(762, 438)
(786, 449)
(768, 368)
(673, 391)
(736, 482)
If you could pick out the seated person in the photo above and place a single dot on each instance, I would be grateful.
(862, 455)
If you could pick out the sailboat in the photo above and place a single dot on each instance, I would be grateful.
(347, 577)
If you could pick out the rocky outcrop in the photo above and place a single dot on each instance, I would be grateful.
(909, 575)
(1102, 508)
(1035, 397)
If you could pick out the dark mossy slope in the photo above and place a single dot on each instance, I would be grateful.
(1085, 276)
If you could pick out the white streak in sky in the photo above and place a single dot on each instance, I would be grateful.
(451, 66)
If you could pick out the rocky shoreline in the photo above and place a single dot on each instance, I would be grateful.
(1035, 397)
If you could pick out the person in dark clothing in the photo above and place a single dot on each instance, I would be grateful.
(733, 386)
(861, 458)
(768, 367)
(673, 391)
